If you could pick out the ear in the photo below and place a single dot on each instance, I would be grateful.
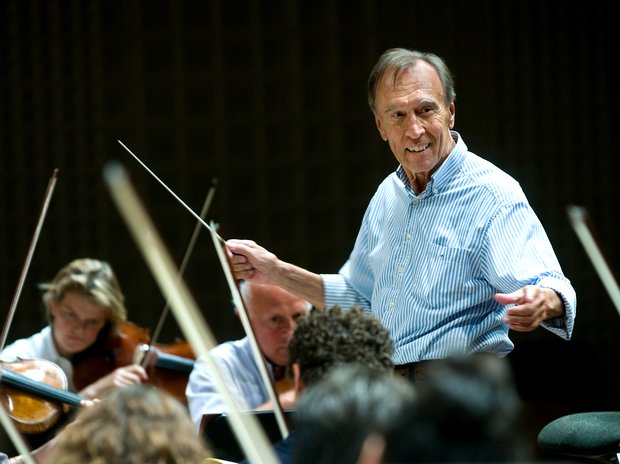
(53, 306)
(380, 128)
(452, 110)
(298, 384)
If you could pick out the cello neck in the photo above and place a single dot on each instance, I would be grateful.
(174, 362)
(25, 384)
(163, 360)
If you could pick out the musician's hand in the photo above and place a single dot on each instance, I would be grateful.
(288, 399)
(120, 377)
(532, 306)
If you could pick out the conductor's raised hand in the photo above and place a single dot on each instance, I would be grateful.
(251, 262)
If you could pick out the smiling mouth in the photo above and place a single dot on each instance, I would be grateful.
(417, 148)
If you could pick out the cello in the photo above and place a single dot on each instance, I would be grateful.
(25, 401)
(31, 390)
(167, 365)
(33, 393)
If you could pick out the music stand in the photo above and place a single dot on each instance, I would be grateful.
(222, 441)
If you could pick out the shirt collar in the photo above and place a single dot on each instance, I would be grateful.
(444, 173)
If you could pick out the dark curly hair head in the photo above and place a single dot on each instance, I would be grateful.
(333, 336)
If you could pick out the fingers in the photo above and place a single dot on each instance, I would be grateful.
(239, 247)
(129, 375)
(528, 312)
(524, 295)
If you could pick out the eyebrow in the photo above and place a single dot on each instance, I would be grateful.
(72, 311)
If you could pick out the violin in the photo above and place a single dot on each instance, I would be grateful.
(167, 366)
(33, 393)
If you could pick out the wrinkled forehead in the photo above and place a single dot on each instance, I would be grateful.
(416, 79)
(274, 301)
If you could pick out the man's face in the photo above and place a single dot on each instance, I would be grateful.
(274, 313)
(413, 117)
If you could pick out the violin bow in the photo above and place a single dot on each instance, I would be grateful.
(16, 438)
(250, 435)
(33, 243)
(259, 358)
(577, 216)
(188, 252)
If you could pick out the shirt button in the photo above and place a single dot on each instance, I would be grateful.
(408, 237)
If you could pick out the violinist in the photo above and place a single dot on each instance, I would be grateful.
(85, 308)
(273, 314)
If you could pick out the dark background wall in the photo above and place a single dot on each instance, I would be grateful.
(268, 97)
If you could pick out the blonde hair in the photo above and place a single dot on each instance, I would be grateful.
(93, 279)
(137, 424)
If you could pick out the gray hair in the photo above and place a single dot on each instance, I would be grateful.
(399, 59)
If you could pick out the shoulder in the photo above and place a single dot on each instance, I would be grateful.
(231, 348)
(37, 345)
(487, 178)
(232, 354)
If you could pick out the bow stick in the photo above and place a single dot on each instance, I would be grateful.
(33, 243)
(188, 253)
(259, 358)
(577, 216)
(248, 328)
(250, 435)
(16, 438)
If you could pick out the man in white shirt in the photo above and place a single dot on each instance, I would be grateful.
(273, 314)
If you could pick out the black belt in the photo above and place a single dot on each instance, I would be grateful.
(412, 371)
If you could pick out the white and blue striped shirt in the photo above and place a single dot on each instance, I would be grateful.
(428, 265)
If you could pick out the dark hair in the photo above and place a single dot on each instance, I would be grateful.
(336, 415)
(331, 336)
(467, 410)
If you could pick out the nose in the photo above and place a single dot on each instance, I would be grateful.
(80, 327)
(414, 127)
(288, 327)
